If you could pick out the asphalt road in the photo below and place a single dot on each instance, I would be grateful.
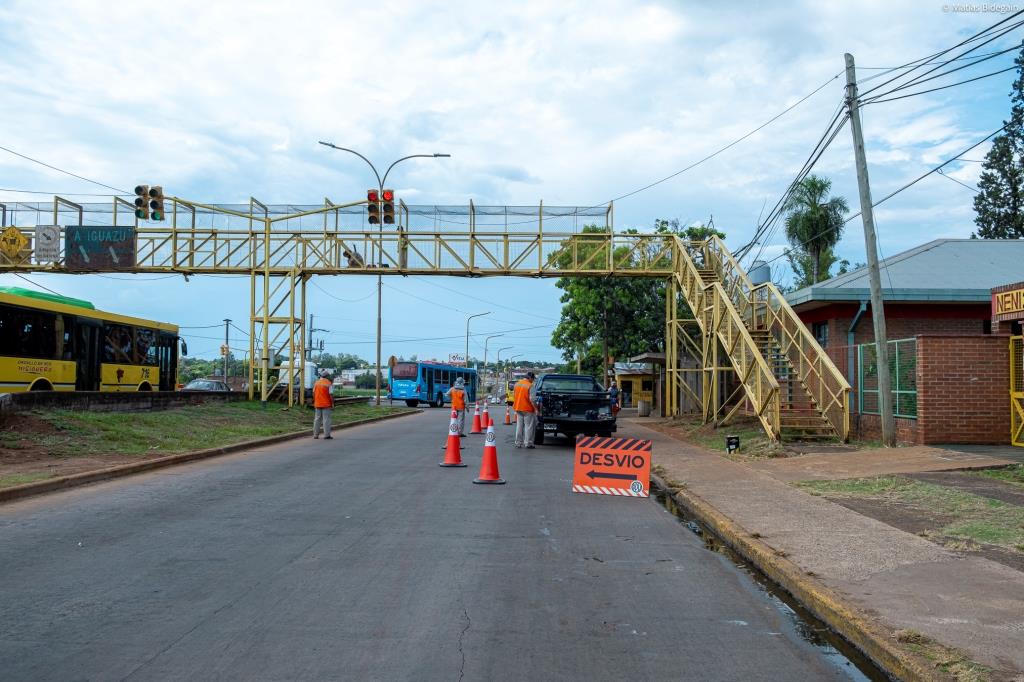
(360, 558)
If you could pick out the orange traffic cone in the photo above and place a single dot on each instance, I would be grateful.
(489, 464)
(508, 416)
(485, 417)
(452, 458)
(476, 419)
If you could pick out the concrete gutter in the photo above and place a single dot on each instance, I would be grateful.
(84, 478)
(853, 625)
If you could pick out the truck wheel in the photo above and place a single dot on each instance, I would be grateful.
(412, 403)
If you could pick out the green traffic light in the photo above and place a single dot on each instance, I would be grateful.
(157, 215)
(140, 214)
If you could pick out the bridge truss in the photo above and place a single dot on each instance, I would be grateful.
(711, 307)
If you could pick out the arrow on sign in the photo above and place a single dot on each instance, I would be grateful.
(624, 477)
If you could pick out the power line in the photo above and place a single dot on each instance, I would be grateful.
(943, 87)
(35, 284)
(337, 298)
(926, 60)
(892, 194)
(733, 143)
(963, 184)
(482, 300)
(61, 170)
(63, 194)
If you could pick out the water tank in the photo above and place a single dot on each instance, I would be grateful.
(760, 272)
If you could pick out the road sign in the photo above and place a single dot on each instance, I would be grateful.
(47, 247)
(612, 466)
(12, 241)
(99, 248)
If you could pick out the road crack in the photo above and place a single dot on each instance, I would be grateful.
(462, 635)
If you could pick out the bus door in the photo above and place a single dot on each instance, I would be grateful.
(165, 359)
(87, 356)
(429, 376)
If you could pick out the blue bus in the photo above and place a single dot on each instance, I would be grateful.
(427, 382)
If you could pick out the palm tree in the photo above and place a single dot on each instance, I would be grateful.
(814, 222)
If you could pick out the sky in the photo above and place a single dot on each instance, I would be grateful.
(572, 103)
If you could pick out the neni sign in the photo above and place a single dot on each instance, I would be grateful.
(1008, 302)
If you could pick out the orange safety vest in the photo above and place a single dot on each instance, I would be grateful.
(458, 399)
(322, 393)
(521, 396)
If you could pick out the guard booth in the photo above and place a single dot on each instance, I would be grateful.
(1008, 313)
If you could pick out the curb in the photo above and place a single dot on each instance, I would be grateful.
(121, 470)
(848, 621)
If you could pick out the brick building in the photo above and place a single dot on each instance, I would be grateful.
(951, 364)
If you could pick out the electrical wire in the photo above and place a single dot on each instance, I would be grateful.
(63, 194)
(894, 193)
(36, 284)
(482, 300)
(962, 184)
(943, 87)
(61, 170)
(337, 298)
(918, 63)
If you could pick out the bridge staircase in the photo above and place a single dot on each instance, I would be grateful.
(783, 376)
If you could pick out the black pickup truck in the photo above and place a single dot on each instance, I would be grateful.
(571, 404)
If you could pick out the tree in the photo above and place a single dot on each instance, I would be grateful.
(814, 224)
(616, 316)
(1001, 186)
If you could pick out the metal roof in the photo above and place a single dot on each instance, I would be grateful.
(943, 270)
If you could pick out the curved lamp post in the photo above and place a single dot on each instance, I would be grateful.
(380, 246)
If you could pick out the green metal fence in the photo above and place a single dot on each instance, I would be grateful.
(902, 369)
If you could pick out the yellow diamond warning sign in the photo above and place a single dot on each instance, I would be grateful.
(12, 241)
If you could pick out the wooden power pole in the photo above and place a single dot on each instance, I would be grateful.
(871, 247)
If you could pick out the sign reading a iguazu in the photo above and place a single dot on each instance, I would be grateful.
(99, 248)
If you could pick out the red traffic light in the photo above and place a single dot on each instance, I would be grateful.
(388, 195)
(371, 195)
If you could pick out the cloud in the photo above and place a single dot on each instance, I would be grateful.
(575, 102)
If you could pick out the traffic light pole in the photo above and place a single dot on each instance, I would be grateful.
(380, 241)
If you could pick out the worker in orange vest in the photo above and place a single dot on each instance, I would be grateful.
(457, 393)
(323, 403)
(526, 413)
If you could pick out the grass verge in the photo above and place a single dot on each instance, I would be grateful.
(754, 444)
(950, 661)
(64, 433)
(974, 518)
(23, 479)
(1014, 475)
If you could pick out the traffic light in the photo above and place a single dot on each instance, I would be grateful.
(156, 202)
(142, 202)
(388, 206)
(373, 207)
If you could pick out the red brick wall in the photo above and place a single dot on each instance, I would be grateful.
(963, 389)
(869, 427)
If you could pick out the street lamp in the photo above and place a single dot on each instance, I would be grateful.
(486, 341)
(467, 332)
(498, 361)
(380, 245)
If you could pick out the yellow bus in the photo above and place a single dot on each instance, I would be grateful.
(56, 343)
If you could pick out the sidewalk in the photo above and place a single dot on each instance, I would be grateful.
(899, 580)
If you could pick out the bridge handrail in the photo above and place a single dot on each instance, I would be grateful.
(764, 307)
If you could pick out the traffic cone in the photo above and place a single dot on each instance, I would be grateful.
(489, 464)
(476, 419)
(508, 416)
(485, 418)
(452, 458)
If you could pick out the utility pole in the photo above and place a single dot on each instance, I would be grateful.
(227, 349)
(309, 346)
(871, 246)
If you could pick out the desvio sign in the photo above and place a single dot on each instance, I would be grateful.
(612, 466)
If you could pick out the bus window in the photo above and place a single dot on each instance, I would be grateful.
(117, 343)
(145, 347)
(405, 370)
